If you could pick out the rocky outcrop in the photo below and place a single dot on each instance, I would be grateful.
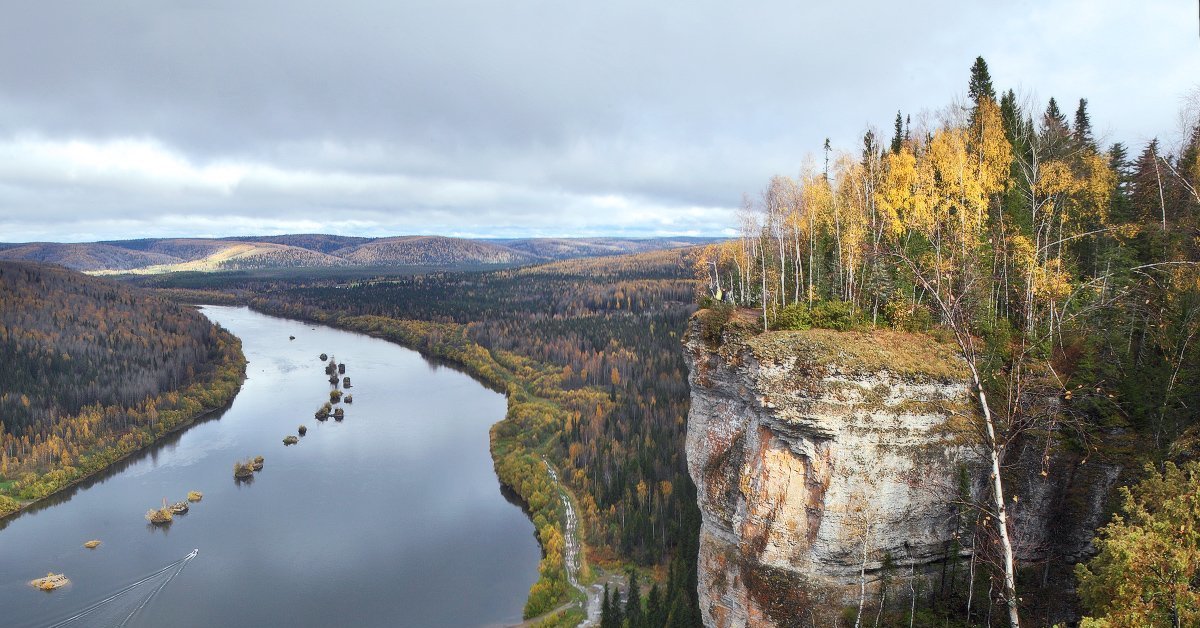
(828, 461)
(818, 456)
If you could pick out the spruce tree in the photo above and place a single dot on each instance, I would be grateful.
(1055, 131)
(1083, 127)
(1121, 208)
(618, 617)
(1144, 189)
(679, 616)
(606, 614)
(1054, 116)
(656, 614)
(981, 82)
(870, 148)
(1010, 113)
(898, 137)
(633, 603)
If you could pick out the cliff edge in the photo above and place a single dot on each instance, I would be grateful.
(822, 459)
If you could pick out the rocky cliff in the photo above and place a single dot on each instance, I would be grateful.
(827, 462)
(818, 455)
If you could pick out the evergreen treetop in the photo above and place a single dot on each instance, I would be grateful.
(980, 86)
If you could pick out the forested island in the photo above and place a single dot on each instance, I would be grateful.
(95, 370)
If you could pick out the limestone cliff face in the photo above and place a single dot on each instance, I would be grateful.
(816, 454)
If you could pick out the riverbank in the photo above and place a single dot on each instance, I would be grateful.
(519, 442)
(174, 411)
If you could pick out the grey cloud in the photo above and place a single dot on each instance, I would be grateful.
(482, 117)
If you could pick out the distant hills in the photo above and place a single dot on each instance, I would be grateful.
(324, 251)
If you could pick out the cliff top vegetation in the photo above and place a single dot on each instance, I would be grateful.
(910, 355)
(861, 350)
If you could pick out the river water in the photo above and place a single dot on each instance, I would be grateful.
(393, 517)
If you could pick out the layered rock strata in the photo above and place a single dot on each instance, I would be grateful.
(822, 460)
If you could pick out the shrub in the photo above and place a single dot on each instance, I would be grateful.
(793, 317)
(159, 516)
(831, 315)
(901, 313)
(712, 322)
(243, 470)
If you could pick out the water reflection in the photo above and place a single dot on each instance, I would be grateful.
(131, 464)
(392, 517)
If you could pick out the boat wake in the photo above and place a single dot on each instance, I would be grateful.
(119, 609)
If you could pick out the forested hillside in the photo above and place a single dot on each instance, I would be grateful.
(94, 369)
(85, 257)
(431, 250)
(1067, 273)
(590, 353)
(310, 251)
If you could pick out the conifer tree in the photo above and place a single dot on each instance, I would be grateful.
(1055, 132)
(633, 603)
(1010, 112)
(870, 147)
(980, 86)
(656, 615)
(614, 608)
(1121, 209)
(1083, 127)
(1147, 190)
(606, 614)
(898, 137)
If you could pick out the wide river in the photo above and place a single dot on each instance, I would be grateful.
(393, 517)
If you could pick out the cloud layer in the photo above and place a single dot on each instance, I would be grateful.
(130, 119)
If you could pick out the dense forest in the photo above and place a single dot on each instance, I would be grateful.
(589, 352)
(1065, 272)
(95, 369)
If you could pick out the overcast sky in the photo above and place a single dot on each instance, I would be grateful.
(122, 119)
